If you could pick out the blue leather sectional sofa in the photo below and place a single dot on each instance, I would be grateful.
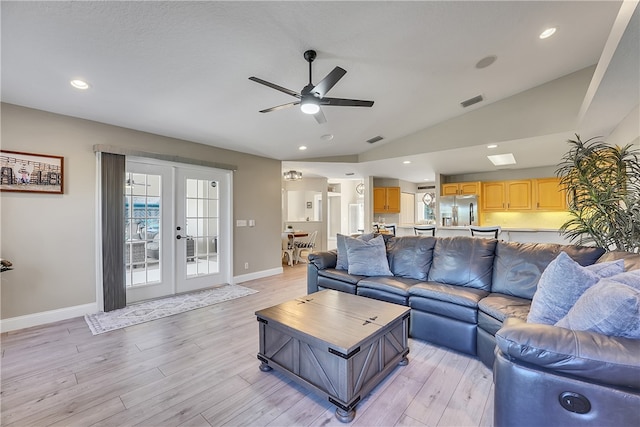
(463, 292)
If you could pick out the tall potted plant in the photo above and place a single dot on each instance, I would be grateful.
(603, 185)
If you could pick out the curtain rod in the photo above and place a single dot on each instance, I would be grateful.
(101, 148)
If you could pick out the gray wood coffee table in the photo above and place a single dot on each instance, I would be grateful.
(336, 344)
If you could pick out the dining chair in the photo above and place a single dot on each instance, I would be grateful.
(429, 230)
(288, 248)
(491, 232)
(305, 246)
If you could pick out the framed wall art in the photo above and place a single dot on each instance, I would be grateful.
(28, 172)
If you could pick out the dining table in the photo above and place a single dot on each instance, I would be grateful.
(297, 233)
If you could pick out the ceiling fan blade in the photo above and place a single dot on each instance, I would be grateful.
(280, 107)
(275, 86)
(320, 118)
(329, 81)
(345, 102)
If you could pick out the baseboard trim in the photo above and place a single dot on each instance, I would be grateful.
(37, 319)
(257, 275)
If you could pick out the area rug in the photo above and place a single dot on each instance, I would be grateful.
(146, 311)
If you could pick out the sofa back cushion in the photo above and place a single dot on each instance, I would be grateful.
(518, 266)
(411, 256)
(631, 260)
(463, 261)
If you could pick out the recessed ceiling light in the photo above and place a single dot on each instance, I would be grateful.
(502, 159)
(547, 33)
(492, 146)
(79, 84)
(406, 162)
(326, 137)
(302, 147)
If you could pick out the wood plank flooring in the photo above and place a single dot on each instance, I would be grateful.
(199, 368)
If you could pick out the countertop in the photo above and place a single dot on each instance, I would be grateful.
(466, 227)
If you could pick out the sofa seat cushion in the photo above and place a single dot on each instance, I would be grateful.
(463, 261)
(394, 285)
(455, 302)
(501, 306)
(459, 295)
(341, 275)
(390, 289)
(411, 256)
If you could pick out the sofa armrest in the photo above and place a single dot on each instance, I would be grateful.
(324, 260)
(319, 261)
(587, 355)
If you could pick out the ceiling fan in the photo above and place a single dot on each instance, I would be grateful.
(312, 97)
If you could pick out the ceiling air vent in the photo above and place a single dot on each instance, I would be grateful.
(426, 187)
(374, 139)
(469, 102)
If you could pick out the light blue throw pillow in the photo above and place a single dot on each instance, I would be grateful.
(343, 261)
(367, 258)
(610, 308)
(629, 278)
(562, 283)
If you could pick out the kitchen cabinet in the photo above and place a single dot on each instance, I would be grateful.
(549, 195)
(519, 195)
(493, 196)
(386, 199)
(506, 195)
(460, 188)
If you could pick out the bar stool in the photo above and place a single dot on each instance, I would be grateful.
(486, 232)
(425, 230)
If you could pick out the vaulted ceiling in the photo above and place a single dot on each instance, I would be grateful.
(181, 69)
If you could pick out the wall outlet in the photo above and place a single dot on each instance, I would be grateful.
(246, 265)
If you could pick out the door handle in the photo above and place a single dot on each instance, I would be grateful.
(179, 237)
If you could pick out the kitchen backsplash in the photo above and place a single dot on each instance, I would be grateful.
(550, 220)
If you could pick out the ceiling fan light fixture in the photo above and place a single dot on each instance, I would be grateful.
(79, 84)
(292, 175)
(309, 105)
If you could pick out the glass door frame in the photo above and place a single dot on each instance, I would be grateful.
(185, 283)
(166, 286)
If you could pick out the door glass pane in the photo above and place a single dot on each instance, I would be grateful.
(142, 229)
(202, 225)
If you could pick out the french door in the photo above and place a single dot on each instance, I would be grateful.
(177, 222)
(202, 228)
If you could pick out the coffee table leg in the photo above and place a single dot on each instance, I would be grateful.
(404, 361)
(345, 416)
(264, 367)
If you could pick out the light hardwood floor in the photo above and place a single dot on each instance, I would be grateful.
(199, 368)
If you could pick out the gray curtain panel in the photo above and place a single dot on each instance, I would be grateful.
(113, 274)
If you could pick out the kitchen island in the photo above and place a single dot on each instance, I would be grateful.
(509, 234)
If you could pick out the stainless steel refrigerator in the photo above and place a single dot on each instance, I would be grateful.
(458, 210)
